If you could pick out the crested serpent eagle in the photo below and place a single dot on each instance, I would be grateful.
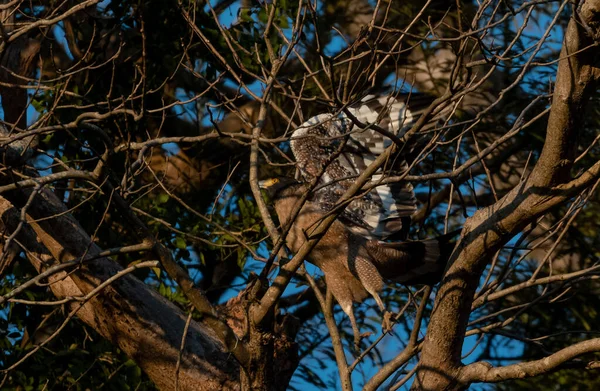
(361, 248)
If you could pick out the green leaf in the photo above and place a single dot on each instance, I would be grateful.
(162, 198)
(245, 15)
(180, 243)
(129, 363)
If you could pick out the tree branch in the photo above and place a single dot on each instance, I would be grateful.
(145, 325)
(488, 229)
(484, 372)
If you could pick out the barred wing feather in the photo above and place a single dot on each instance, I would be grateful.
(339, 150)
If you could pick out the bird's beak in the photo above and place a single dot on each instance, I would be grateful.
(267, 183)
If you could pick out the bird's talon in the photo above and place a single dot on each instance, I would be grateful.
(388, 323)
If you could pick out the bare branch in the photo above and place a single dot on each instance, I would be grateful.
(484, 372)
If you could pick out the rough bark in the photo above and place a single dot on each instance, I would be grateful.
(145, 325)
(440, 366)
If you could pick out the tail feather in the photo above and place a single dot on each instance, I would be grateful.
(413, 262)
(444, 246)
(432, 252)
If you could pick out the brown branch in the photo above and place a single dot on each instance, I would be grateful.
(145, 325)
(180, 275)
(488, 229)
(535, 282)
(326, 304)
(409, 351)
(49, 22)
(485, 372)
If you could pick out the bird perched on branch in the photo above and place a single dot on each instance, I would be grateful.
(333, 150)
(336, 149)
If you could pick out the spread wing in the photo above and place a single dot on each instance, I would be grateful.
(339, 150)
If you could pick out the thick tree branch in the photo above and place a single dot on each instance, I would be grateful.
(145, 325)
(488, 229)
(179, 274)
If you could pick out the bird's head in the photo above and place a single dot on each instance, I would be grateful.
(274, 186)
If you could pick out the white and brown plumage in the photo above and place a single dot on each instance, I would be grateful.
(386, 209)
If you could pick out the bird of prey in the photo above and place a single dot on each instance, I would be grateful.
(334, 149)
(355, 266)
